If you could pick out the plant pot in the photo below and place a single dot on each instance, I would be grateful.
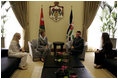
(113, 40)
(2, 42)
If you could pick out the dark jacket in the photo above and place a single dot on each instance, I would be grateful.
(107, 50)
(78, 43)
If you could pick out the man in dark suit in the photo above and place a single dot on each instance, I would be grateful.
(78, 44)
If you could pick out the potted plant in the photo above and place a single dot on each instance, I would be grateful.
(4, 20)
(109, 20)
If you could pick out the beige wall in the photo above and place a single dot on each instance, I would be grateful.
(55, 31)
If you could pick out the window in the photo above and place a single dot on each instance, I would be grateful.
(11, 26)
(94, 31)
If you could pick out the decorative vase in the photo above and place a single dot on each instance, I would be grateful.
(113, 40)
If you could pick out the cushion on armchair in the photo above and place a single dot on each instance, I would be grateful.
(30, 48)
(33, 50)
(34, 43)
(36, 54)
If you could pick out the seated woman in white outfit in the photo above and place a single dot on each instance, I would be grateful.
(16, 51)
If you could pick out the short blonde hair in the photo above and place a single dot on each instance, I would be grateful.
(15, 37)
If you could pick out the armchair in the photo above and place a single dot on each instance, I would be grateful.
(68, 46)
(33, 50)
(35, 54)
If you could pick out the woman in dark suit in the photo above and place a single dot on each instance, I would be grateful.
(106, 51)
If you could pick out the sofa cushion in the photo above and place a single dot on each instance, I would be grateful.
(34, 43)
(4, 52)
(8, 65)
(111, 65)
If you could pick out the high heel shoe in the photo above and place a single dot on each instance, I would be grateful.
(42, 59)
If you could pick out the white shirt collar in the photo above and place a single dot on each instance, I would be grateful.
(42, 37)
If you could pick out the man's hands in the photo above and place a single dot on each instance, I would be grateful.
(23, 50)
(72, 47)
(47, 46)
(97, 51)
(115, 57)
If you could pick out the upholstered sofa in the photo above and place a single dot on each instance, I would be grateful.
(35, 54)
(8, 64)
(69, 44)
(111, 63)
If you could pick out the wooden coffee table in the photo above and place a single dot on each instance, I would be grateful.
(73, 62)
(50, 67)
(50, 72)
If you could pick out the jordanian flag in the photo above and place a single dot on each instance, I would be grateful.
(42, 25)
(70, 35)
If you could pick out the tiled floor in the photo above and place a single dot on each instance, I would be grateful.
(35, 69)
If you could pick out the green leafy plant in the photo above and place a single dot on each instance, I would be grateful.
(3, 17)
(109, 18)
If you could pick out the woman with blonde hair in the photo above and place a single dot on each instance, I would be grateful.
(16, 51)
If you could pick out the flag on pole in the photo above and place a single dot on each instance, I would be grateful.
(42, 25)
(70, 35)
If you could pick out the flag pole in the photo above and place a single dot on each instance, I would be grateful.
(41, 6)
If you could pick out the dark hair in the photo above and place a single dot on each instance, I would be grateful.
(105, 38)
(79, 32)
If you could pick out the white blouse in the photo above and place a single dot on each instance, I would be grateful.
(14, 48)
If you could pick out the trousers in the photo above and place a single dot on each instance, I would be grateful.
(23, 57)
(44, 52)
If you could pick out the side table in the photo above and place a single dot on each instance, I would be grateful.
(58, 44)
